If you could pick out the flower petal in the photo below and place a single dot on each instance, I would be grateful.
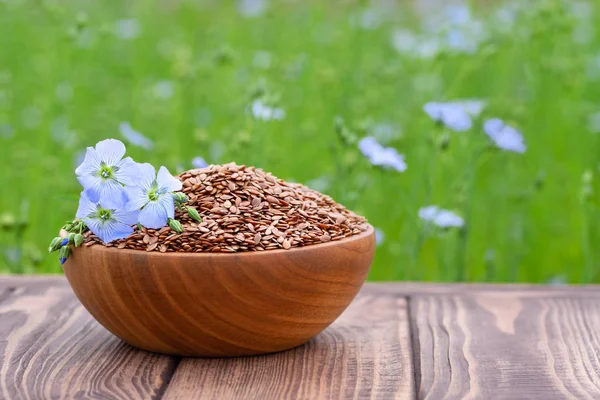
(167, 181)
(91, 185)
(434, 110)
(428, 213)
(86, 206)
(109, 193)
(127, 171)
(199, 162)
(110, 151)
(108, 231)
(168, 203)
(126, 217)
(91, 163)
(138, 197)
(447, 219)
(146, 176)
(456, 118)
(493, 126)
(117, 230)
(369, 146)
(153, 215)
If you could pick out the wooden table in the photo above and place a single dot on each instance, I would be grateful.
(394, 341)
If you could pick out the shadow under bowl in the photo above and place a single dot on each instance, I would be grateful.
(217, 305)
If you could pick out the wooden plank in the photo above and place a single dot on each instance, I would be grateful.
(505, 346)
(50, 347)
(366, 353)
(525, 290)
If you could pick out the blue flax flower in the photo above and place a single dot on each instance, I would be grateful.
(385, 157)
(199, 162)
(504, 136)
(107, 219)
(456, 115)
(134, 137)
(104, 171)
(153, 195)
(440, 217)
(451, 115)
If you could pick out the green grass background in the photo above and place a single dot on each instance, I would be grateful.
(67, 81)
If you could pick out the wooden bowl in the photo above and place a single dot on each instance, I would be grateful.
(201, 304)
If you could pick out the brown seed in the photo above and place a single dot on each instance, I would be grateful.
(286, 244)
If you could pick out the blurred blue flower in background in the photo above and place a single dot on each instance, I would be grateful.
(594, 122)
(31, 117)
(265, 112)
(134, 137)
(103, 171)
(415, 45)
(64, 91)
(320, 184)
(252, 8)
(6, 131)
(107, 220)
(440, 217)
(199, 162)
(127, 29)
(163, 89)
(386, 157)
(504, 136)
(262, 59)
(61, 133)
(379, 237)
(152, 194)
(456, 115)
(12, 255)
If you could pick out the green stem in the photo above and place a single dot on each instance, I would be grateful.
(469, 177)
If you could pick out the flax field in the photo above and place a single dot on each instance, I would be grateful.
(468, 133)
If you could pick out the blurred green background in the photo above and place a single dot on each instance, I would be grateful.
(185, 74)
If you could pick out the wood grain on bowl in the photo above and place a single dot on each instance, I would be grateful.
(199, 304)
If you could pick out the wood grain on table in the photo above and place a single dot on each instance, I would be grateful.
(399, 341)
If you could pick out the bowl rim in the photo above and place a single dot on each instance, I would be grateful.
(294, 250)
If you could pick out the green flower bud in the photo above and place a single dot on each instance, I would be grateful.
(180, 197)
(78, 240)
(64, 253)
(175, 225)
(81, 21)
(443, 141)
(55, 244)
(193, 213)
(7, 221)
(68, 226)
(71, 237)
